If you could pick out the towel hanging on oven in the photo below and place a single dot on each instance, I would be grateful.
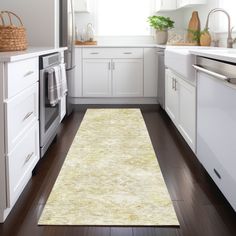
(57, 84)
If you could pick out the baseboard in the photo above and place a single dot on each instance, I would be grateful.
(114, 101)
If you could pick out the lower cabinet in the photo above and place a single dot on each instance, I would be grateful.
(127, 77)
(20, 163)
(181, 106)
(122, 74)
(96, 78)
(112, 78)
(171, 99)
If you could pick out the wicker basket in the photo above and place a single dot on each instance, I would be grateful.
(12, 38)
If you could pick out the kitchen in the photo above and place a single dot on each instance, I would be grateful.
(117, 121)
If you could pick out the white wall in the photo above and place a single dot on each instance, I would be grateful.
(40, 18)
(82, 19)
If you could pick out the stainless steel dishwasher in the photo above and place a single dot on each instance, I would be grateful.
(216, 123)
(161, 76)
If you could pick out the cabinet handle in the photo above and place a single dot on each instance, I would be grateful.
(94, 53)
(217, 174)
(173, 83)
(28, 73)
(28, 115)
(109, 66)
(28, 158)
(127, 53)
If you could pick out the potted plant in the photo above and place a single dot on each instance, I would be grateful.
(202, 38)
(161, 24)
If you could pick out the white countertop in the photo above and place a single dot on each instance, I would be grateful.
(223, 54)
(30, 52)
(150, 45)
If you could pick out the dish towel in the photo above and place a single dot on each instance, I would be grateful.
(54, 85)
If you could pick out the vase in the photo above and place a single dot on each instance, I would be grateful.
(205, 39)
(162, 37)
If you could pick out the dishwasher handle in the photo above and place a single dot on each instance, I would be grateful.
(212, 73)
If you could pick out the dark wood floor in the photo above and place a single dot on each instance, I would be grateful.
(200, 207)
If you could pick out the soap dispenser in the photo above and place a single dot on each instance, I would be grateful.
(90, 32)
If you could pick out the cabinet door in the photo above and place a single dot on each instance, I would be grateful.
(150, 72)
(165, 5)
(187, 111)
(96, 78)
(182, 3)
(171, 96)
(189, 3)
(127, 77)
(81, 5)
(75, 83)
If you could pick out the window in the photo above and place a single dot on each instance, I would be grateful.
(229, 6)
(123, 17)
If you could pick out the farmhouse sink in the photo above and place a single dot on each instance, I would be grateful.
(181, 60)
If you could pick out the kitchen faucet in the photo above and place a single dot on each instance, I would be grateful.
(229, 39)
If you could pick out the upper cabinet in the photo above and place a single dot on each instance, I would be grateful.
(166, 5)
(81, 5)
(189, 3)
(170, 5)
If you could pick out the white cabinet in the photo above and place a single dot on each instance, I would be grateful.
(165, 5)
(127, 75)
(112, 72)
(187, 111)
(181, 106)
(115, 75)
(97, 78)
(170, 5)
(19, 139)
(112, 77)
(189, 3)
(150, 67)
(171, 93)
(20, 112)
(81, 6)
(20, 163)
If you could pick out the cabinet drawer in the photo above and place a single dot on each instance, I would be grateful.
(20, 75)
(20, 163)
(21, 111)
(113, 53)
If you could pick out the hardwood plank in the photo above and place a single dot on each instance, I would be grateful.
(121, 231)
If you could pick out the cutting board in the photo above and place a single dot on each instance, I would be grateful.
(86, 43)
(194, 25)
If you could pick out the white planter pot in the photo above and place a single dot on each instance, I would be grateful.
(162, 37)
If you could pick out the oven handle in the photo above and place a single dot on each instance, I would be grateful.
(212, 73)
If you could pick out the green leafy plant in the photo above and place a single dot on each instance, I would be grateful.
(160, 22)
(197, 34)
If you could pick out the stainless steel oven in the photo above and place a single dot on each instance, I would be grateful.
(49, 115)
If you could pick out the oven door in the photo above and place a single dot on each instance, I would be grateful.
(49, 115)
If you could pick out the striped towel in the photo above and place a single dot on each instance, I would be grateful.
(57, 84)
